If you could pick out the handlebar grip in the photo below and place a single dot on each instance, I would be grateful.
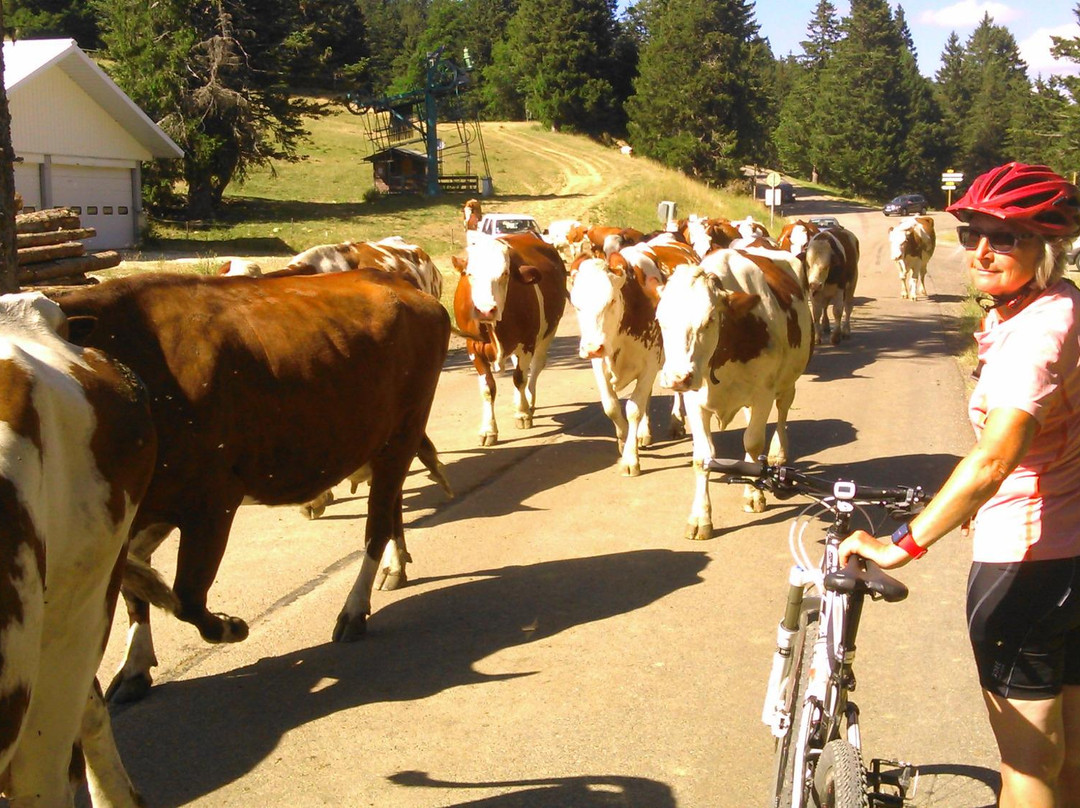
(736, 468)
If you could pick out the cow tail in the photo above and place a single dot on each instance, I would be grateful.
(143, 582)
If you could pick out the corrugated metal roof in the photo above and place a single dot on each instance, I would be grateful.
(29, 57)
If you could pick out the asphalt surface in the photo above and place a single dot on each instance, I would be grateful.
(560, 643)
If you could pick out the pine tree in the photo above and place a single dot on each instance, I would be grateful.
(1063, 117)
(859, 112)
(795, 119)
(697, 103)
(999, 88)
(34, 19)
(823, 33)
(559, 58)
(210, 75)
(952, 89)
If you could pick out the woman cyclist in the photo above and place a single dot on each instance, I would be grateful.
(1021, 481)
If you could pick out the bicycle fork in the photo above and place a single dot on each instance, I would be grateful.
(775, 713)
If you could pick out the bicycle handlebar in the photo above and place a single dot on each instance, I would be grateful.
(784, 481)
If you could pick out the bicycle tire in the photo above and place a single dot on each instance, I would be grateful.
(840, 778)
(802, 650)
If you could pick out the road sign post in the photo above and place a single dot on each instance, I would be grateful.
(949, 180)
(773, 180)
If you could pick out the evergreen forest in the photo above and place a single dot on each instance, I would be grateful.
(690, 83)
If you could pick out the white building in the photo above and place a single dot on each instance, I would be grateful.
(78, 139)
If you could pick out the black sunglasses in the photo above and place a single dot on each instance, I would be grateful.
(1002, 242)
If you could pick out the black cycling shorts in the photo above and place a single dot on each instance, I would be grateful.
(1024, 624)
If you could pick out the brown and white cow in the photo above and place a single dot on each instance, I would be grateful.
(605, 240)
(736, 335)
(621, 338)
(911, 245)
(510, 297)
(566, 236)
(832, 272)
(392, 254)
(794, 236)
(472, 214)
(274, 389)
(77, 452)
(706, 235)
(240, 266)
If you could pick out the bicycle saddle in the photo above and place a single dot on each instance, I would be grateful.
(862, 575)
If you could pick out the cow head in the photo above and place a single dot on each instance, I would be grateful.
(823, 254)
(490, 272)
(690, 314)
(32, 311)
(898, 238)
(597, 298)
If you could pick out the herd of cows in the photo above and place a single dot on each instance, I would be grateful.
(146, 404)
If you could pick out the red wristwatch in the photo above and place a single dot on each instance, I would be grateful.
(901, 537)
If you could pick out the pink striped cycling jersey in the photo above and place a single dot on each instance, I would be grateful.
(1032, 362)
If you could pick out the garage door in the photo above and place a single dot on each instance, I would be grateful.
(28, 183)
(102, 198)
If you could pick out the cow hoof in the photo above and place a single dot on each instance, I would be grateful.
(350, 630)
(310, 511)
(644, 442)
(754, 504)
(630, 469)
(224, 629)
(125, 691)
(386, 580)
(678, 431)
(696, 531)
(835, 339)
(489, 440)
(523, 422)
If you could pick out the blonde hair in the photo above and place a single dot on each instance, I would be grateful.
(1051, 266)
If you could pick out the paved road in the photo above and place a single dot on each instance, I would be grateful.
(560, 643)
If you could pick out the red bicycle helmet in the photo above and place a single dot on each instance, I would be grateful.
(1033, 198)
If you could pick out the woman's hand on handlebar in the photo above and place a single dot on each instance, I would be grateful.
(884, 553)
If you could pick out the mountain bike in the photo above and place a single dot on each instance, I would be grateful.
(808, 704)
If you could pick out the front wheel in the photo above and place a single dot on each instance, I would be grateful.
(801, 652)
(840, 779)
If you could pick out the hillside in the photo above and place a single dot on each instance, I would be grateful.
(328, 197)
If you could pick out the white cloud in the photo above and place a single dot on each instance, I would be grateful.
(968, 13)
(1035, 50)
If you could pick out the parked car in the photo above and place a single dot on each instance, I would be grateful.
(905, 205)
(825, 221)
(499, 224)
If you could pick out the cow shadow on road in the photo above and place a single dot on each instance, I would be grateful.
(220, 727)
(554, 792)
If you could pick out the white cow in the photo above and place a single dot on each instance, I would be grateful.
(911, 245)
(621, 338)
(77, 449)
(737, 334)
(391, 254)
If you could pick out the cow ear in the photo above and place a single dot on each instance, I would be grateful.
(459, 263)
(525, 274)
(79, 327)
(617, 264)
(741, 303)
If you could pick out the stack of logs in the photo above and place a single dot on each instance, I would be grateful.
(50, 251)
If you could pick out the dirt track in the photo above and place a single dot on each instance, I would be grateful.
(560, 644)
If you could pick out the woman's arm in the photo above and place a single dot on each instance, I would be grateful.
(1006, 438)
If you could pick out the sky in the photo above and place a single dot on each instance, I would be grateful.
(1031, 22)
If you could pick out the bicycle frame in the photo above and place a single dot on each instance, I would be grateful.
(808, 706)
(827, 706)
